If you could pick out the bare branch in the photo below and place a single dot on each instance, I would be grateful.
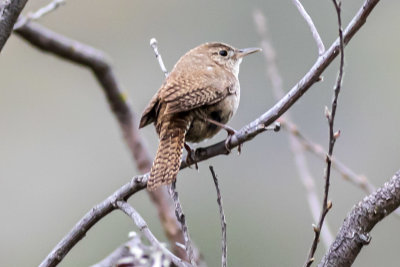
(300, 160)
(9, 12)
(315, 34)
(153, 44)
(91, 218)
(181, 218)
(222, 215)
(354, 233)
(99, 63)
(330, 115)
(46, 42)
(53, 5)
(142, 225)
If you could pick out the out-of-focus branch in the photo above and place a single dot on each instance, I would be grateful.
(348, 174)
(99, 63)
(314, 32)
(222, 215)
(300, 160)
(9, 12)
(144, 228)
(356, 228)
(119, 253)
(333, 136)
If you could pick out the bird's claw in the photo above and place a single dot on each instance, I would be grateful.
(228, 139)
(189, 158)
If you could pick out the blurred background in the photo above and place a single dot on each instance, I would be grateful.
(61, 150)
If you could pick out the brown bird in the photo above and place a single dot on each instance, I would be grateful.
(195, 101)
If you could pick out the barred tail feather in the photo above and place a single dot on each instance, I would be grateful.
(169, 154)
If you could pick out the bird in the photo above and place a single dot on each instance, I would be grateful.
(195, 101)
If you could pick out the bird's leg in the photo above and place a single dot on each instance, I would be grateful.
(189, 158)
(230, 132)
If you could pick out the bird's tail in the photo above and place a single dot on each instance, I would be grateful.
(169, 154)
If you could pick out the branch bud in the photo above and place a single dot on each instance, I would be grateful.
(336, 135)
(327, 113)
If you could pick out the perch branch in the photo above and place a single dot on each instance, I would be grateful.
(299, 156)
(355, 230)
(314, 32)
(330, 115)
(222, 215)
(9, 12)
(144, 228)
(247, 133)
(258, 126)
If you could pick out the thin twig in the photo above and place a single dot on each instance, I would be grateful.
(330, 115)
(53, 5)
(181, 218)
(144, 228)
(222, 215)
(153, 44)
(300, 160)
(315, 34)
(354, 232)
(245, 134)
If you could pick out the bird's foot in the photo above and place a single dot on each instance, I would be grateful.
(230, 131)
(189, 158)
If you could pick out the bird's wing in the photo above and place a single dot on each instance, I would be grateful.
(185, 93)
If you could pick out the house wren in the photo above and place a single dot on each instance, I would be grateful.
(198, 97)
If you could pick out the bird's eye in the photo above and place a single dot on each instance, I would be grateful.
(223, 53)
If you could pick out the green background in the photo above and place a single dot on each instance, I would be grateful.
(61, 150)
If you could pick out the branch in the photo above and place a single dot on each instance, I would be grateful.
(222, 215)
(330, 115)
(99, 63)
(354, 233)
(300, 160)
(91, 218)
(182, 219)
(247, 133)
(9, 12)
(53, 5)
(315, 34)
(144, 228)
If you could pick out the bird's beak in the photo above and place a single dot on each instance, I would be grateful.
(247, 51)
